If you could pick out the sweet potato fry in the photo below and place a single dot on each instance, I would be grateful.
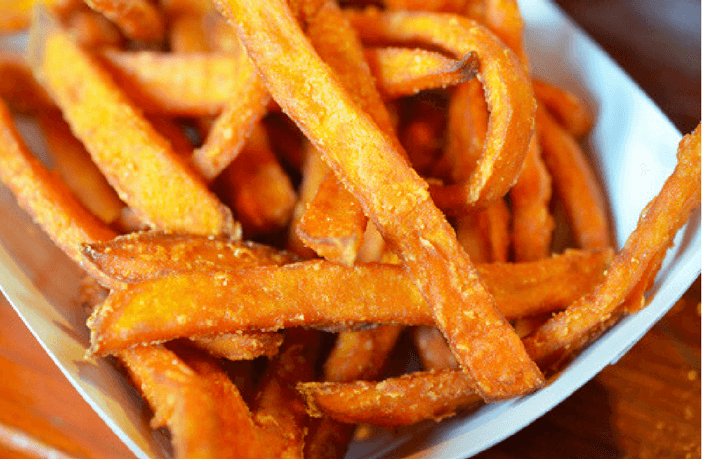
(136, 160)
(659, 222)
(257, 187)
(149, 255)
(392, 402)
(570, 111)
(18, 87)
(92, 30)
(392, 194)
(532, 224)
(78, 170)
(240, 346)
(187, 34)
(193, 7)
(575, 183)
(484, 233)
(401, 72)
(139, 19)
(47, 199)
(433, 350)
(269, 298)
(17, 14)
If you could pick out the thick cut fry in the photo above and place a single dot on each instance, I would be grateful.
(403, 71)
(395, 197)
(45, 197)
(575, 183)
(570, 111)
(240, 346)
(507, 92)
(92, 30)
(78, 170)
(139, 19)
(149, 255)
(135, 159)
(19, 88)
(432, 349)
(269, 298)
(659, 222)
(361, 354)
(393, 402)
(257, 187)
(532, 224)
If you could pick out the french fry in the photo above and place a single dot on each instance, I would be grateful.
(205, 302)
(257, 187)
(658, 224)
(570, 111)
(240, 346)
(422, 134)
(575, 183)
(392, 402)
(532, 224)
(92, 30)
(137, 162)
(17, 14)
(149, 255)
(174, 133)
(432, 349)
(187, 34)
(47, 199)
(484, 233)
(77, 169)
(138, 19)
(18, 87)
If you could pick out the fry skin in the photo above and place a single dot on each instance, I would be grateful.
(391, 194)
(658, 224)
(201, 303)
(135, 159)
(240, 346)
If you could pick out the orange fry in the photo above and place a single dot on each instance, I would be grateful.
(92, 30)
(532, 224)
(659, 222)
(433, 350)
(396, 198)
(17, 14)
(138, 19)
(401, 72)
(268, 298)
(575, 183)
(149, 255)
(47, 199)
(18, 87)
(570, 111)
(77, 169)
(240, 346)
(484, 233)
(393, 402)
(507, 92)
(134, 158)
(187, 34)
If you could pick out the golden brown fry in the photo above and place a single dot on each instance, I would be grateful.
(392, 194)
(193, 7)
(47, 199)
(240, 346)
(148, 255)
(532, 224)
(361, 354)
(258, 189)
(484, 233)
(659, 222)
(77, 169)
(138, 19)
(268, 298)
(575, 183)
(401, 72)
(134, 158)
(17, 14)
(92, 30)
(327, 438)
(174, 133)
(187, 34)
(433, 350)
(18, 87)
(570, 111)
(392, 402)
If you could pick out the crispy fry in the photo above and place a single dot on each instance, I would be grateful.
(403, 71)
(19, 88)
(269, 298)
(393, 195)
(48, 200)
(659, 222)
(361, 354)
(240, 346)
(138, 19)
(136, 161)
(575, 183)
(433, 350)
(392, 402)
(258, 189)
(532, 224)
(77, 169)
(92, 30)
(570, 111)
(484, 233)
(149, 255)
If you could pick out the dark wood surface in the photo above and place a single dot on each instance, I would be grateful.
(646, 406)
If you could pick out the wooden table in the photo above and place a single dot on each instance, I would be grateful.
(647, 406)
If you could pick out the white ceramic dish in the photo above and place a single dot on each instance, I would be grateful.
(633, 147)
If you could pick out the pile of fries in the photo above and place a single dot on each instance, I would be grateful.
(395, 165)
